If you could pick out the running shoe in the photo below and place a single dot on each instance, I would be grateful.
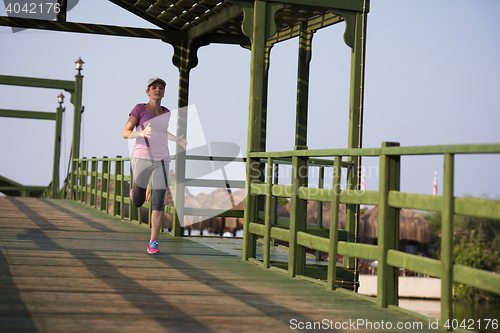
(153, 247)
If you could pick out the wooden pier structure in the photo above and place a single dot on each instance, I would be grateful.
(66, 267)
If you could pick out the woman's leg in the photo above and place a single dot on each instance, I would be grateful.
(156, 222)
(140, 173)
(158, 189)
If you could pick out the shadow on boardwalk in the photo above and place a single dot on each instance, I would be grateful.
(68, 268)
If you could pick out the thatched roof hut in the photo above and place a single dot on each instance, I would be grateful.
(412, 227)
(219, 199)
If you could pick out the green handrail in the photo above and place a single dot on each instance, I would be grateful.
(85, 189)
(390, 200)
(329, 240)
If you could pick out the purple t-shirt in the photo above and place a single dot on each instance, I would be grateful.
(156, 147)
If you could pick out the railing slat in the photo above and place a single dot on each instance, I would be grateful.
(415, 201)
(313, 242)
(414, 263)
(281, 234)
(443, 149)
(347, 197)
(256, 229)
(259, 189)
(478, 278)
(364, 251)
(486, 208)
(283, 191)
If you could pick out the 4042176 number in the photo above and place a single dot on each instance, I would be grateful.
(32, 8)
(470, 324)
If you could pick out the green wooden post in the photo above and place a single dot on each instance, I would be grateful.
(104, 185)
(298, 216)
(114, 207)
(269, 197)
(108, 186)
(305, 53)
(298, 207)
(275, 200)
(355, 126)
(258, 24)
(388, 228)
(57, 154)
(74, 185)
(93, 182)
(132, 210)
(319, 220)
(261, 200)
(182, 54)
(84, 180)
(76, 100)
(334, 224)
(72, 175)
(447, 239)
(79, 180)
(117, 190)
(257, 76)
(122, 187)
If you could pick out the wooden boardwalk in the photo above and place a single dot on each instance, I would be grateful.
(68, 268)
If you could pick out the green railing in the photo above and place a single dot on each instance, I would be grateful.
(389, 200)
(329, 240)
(113, 199)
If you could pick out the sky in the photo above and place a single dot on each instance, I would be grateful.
(432, 78)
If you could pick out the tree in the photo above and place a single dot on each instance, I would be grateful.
(476, 244)
(469, 250)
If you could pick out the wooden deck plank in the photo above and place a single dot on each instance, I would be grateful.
(65, 267)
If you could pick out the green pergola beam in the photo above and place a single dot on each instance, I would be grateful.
(37, 82)
(353, 5)
(73, 87)
(224, 16)
(63, 9)
(142, 14)
(313, 24)
(99, 29)
(28, 114)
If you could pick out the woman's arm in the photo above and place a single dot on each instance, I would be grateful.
(179, 140)
(129, 133)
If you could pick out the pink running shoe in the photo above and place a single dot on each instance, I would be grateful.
(153, 247)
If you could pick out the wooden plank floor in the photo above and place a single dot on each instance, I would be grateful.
(65, 267)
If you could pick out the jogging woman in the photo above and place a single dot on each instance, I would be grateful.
(150, 157)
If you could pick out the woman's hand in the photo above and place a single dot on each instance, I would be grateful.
(147, 132)
(181, 141)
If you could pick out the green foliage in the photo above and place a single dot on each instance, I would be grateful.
(469, 250)
(476, 244)
(487, 230)
(434, 247)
